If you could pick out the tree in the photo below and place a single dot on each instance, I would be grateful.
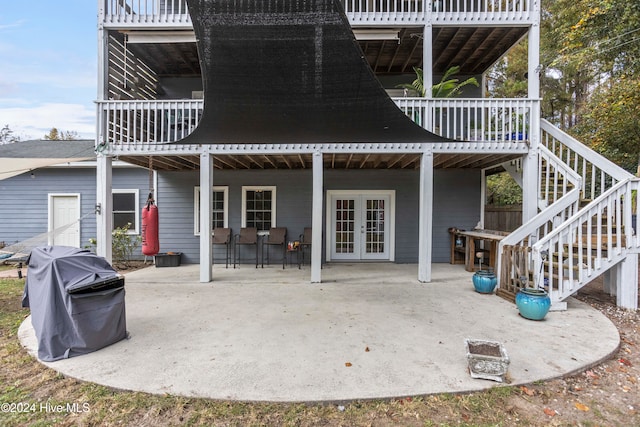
(612, 123)
(56, 135)
(448, 87)
(503, 190)
(7, 136)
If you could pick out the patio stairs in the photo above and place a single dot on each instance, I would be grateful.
(581, 229)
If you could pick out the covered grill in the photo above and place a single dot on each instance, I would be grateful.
(76, 300)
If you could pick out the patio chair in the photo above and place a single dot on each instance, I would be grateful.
(222, 236)
(305, 241)
(277, 237)
(248, 236)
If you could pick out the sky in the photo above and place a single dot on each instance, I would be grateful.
(48, 67)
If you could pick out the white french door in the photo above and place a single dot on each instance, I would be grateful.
(361, 225)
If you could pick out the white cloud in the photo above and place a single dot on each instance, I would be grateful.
(35, 122)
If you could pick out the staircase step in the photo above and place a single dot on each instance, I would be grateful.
(575, 255)
(604, 240)
(574, 248)
(556, 265)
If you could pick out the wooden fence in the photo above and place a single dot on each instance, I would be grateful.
(502, 218)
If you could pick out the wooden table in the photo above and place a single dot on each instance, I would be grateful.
(493, 237)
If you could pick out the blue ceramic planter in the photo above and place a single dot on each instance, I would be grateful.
(533, 303)
(484, 281)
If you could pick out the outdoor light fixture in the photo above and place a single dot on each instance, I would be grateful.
(377, 34)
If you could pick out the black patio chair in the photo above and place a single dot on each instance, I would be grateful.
(305, 242)
(248, 236)
(277, 237)
(222, 236)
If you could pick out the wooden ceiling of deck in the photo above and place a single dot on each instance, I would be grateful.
(331, 161)
(474, 49)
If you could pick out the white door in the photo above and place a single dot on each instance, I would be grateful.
(63, 220)
(360, 226)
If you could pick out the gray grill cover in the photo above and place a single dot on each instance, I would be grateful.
(76, 300)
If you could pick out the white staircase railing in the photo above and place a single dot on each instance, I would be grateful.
(598, 173)
(586, 245)
(561, 190)
(566, 246)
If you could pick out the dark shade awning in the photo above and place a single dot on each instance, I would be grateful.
(289, 71)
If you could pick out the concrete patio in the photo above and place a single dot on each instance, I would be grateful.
(368, 331)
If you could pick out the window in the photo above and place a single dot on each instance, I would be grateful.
(125, 210)
(259, 207)
(220, 202)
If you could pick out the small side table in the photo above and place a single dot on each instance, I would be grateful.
(293, 248)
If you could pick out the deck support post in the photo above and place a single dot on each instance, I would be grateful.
(425, 231)
(206, 217)
(104, 207)
(316, 218)
(621, 281)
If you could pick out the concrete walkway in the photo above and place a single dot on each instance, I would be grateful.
(368, 331)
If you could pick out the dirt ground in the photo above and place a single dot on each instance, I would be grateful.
(607, 394)
(604, 395)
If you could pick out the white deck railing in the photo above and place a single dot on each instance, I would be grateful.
(472, 119)
(359, 12)
(140, 123)
(500, 121)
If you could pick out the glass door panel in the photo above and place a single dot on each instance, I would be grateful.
(359, 228)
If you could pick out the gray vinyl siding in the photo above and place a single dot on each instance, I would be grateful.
(456, 203)
(24, 203)
(24, 200)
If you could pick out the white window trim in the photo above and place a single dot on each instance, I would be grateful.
(196, 206)
(271, 188)
(136, 192)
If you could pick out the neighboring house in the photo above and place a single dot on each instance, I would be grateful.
(204, 114)
(47, 185)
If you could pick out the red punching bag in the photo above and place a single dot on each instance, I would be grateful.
(150, 241)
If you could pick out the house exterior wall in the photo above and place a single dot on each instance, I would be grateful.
(456, 204)
(24, 200)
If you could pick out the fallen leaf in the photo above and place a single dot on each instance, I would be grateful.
(348, 364)
(581, 407)
(624, 361)
(627, 341)
(550, 412)
(592, 374)
(527, 391)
